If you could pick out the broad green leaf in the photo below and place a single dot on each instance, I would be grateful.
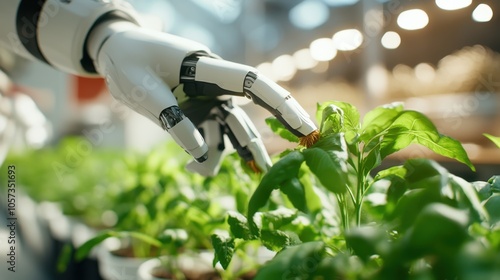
(494, 139)
(495, 184)
(483, 189)
(470, 198)
(330, 167)
(278, 218)
(371, 161)
(278, 128)
(338, 117)
(238, 225)
(379, 119)
(367, 241)
(332, 120)
(398, 171)
(289, 263)
(224, 250)
(275, 240)
(283, 170)
(492, 205)
(295, 192)
(439, 229)
(410, 205)
(426, 174)
(413, 127)
(351, 116)
(312, 194)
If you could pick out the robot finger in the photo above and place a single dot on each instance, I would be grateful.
(245, 138)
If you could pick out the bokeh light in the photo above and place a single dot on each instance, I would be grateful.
(413, 19)
(304, 60)
(323, 49)
(482, 13)
(453, 4)
(284, 67)
(391, 40)
(301, 15)
(347, 40)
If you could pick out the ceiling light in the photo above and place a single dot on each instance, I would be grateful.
(304, 60)
(482, 13)
(323, 49)
(413, 19)
(347, 40)
(391, 40)
(284, 67)
(453, 4)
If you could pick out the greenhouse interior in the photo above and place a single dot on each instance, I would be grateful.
(238, 139)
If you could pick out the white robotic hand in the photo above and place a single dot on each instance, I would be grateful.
(181, 86)
(177, 83)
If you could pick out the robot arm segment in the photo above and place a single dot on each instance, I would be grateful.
(138, 74)
(232, 78)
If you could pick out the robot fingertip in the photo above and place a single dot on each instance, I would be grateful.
(253, 165)
(310, 139)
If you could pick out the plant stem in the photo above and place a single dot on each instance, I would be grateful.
(343, 211)
(360, 190)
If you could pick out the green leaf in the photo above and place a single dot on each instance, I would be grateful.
(367, 241)
(351, 116)
(492, 205)
(64, 258)
(238, 225)
(398, 171)
(483, 189)
(332, 119)
(425, 174)
(224, 250)
(283, 170)
(469, 197)
(329, 165)
(338, 117)
(438, 229)
(83, 251)
(142, 237)
(495, 184)
(379, 119)
(177, 236)
(295, 192)
(278, 128)
(414, 127)
(278, 218)
(494, 139)
(290, 262)
(275, 240)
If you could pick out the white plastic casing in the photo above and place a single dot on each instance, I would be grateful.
(63, 29)
(141, 67)
(227, 75)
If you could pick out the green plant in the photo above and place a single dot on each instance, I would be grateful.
(409, 221)
(74, 175)
(494, 139)
(159, 196)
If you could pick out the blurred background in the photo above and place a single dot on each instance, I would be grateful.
(437, 56)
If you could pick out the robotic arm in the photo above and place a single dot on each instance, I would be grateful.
(177, 83)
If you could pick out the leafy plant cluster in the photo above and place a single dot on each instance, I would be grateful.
(341, 219)
(82, 181)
